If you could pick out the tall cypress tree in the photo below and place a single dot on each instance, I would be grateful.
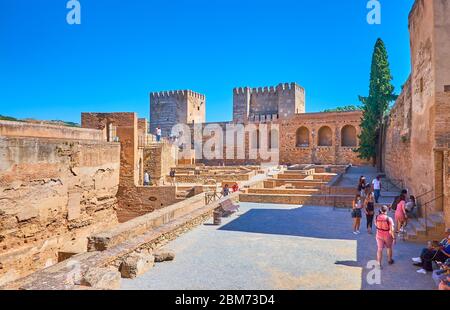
(375, 106)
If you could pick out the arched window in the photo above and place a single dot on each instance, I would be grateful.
(348, 136)
(302, 137)
(325, 136)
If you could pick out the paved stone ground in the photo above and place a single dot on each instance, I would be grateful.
(280, 247)
(353, 174)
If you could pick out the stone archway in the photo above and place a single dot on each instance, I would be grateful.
(302, 137)
(348, 136)
(325, 136)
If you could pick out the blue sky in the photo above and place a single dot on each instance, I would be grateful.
(125, 49)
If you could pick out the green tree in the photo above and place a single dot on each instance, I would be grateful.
(375, 106)
(346, 108)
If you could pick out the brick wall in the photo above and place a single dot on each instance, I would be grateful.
(293, 153)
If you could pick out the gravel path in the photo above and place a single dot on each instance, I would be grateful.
(280, 247)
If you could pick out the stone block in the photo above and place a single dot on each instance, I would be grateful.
(27, 213)
(102, 278)
(73, 206)
(136, 264)
(163, 255)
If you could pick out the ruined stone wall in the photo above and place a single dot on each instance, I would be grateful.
(53, 194)
(321, 146)
(143, 127)
(140, 200)
(159, 159)
(127, 131)
(397, 157)
(23, 129)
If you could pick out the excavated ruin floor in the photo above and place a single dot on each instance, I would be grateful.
(280, 247)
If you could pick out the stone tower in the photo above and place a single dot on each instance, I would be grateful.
(169, 108)
(268, 103)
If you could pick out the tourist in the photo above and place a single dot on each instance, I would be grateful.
(428, 255)
(436, 251)
(158, 134)
(172, 177)
(357, 214)
(400, 215)
(396, 201)
(369, 208)
(445, 285)
(146, 179)
(411, 206)
(362, 186)
(235, 187)
(376, 185)
(442, 273)
(226, 190)
(385, 235)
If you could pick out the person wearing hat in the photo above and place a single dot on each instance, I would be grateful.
(385, 235)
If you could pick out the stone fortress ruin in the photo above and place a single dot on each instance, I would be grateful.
(75, 196)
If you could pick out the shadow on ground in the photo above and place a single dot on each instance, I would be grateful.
(335, 224)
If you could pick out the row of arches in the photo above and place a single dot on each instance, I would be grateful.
(325, 136)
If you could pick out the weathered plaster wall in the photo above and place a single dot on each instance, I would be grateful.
(53, 194)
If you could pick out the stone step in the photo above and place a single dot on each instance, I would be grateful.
(437, 218)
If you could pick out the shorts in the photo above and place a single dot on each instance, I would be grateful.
(385, 242)
(357, 213)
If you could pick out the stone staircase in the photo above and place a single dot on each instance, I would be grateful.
(421, 230)
(418, 229)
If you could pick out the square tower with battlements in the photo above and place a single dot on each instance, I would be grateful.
(169, 108)
(269, 103)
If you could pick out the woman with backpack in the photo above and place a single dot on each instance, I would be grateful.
(369, 208)
(385, 235)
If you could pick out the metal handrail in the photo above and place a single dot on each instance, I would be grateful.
(424, 194)
(393, 182)
(424, 206)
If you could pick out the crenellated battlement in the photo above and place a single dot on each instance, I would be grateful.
(268, 90)
(177, 94)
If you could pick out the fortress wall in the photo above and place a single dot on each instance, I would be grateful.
(53, 194)
(291, 152)
(24, 129)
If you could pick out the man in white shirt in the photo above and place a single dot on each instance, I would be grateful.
(158, 134)
(146, 179)
(376, 184)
